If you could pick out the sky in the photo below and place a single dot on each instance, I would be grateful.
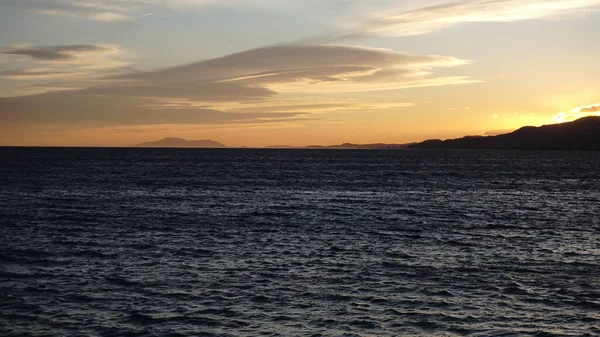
(291, 72)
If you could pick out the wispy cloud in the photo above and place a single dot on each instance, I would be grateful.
(103, 16)
(438, 15)
(99, 10)
(449, 14)
(113, 10)
(317, 106)
(32, 73)
(67, 108)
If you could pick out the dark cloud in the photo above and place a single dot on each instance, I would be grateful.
(55, 53)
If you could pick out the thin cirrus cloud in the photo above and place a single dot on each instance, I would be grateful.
(442, 15)
(98, 10)
(201, 92)
(111, 10)
(449, 14)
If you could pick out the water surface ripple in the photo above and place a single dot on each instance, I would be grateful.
(142, 242)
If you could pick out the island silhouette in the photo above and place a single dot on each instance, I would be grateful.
(183, 143)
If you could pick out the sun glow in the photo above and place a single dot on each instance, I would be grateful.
(576, 113)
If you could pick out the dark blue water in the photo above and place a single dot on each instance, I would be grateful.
(142, 242)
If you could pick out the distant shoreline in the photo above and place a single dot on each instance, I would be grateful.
(297, 148)
(580, 135)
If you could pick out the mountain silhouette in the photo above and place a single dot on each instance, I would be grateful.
(581, 134)
(180, 142)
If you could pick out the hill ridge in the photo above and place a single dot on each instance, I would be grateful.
(580, 134)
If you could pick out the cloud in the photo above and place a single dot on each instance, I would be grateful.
(99, 10)
(587, 109)
(87, 14)
(68, 62)
(576, 113)
(57, 53)
(238, 88)
(449, 14)
(199, 91)
(314, 105)
(68, 108)
(309, 68)
(31, 74)
(442, 15)
(113, 10)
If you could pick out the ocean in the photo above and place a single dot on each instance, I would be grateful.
(226, 242)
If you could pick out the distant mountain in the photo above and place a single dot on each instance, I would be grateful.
(351, 146)
(183, 143)
(581, 134)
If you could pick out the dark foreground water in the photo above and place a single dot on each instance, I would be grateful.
(126, 242)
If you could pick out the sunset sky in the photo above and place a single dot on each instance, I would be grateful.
(291, 72)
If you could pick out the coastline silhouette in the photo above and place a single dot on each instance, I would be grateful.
(581, 134)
